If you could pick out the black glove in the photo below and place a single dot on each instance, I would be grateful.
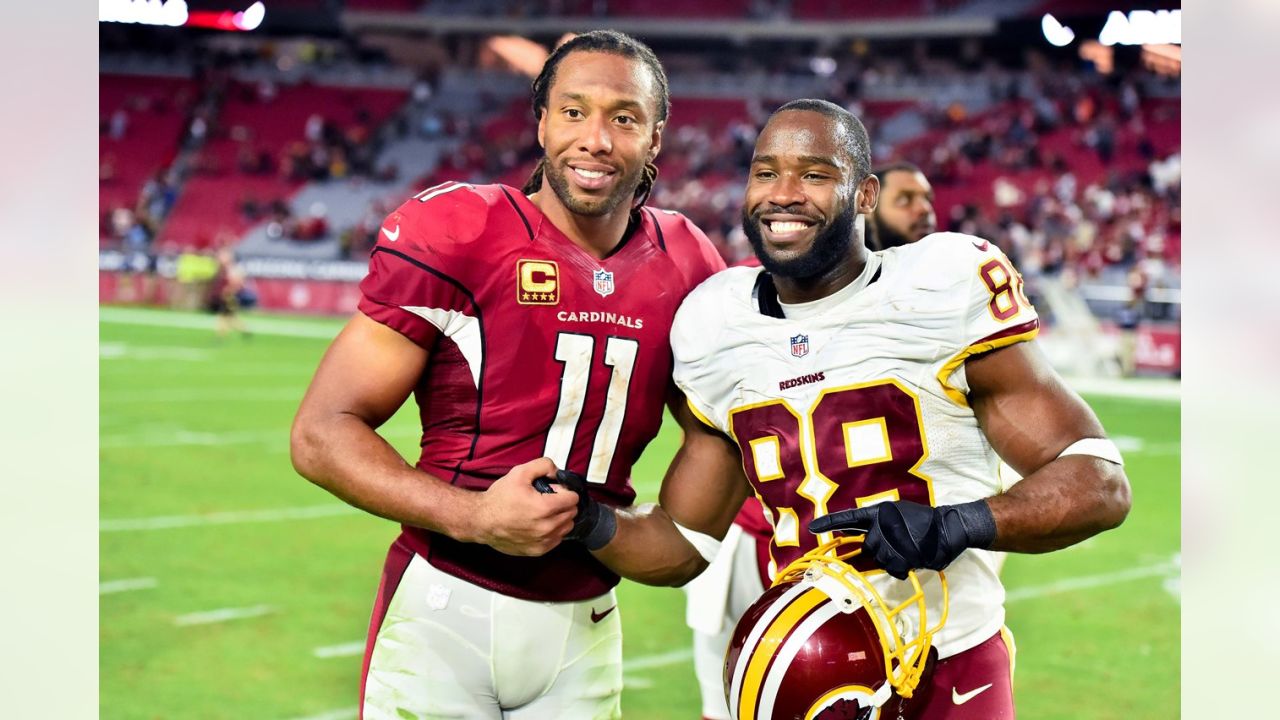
(905, 535)
(595, 524)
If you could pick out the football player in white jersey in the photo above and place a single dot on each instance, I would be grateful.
(872, 392)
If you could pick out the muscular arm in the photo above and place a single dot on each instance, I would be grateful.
(366, 375)
(703, 490)
(1029, 416)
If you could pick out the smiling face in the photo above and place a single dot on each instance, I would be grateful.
(801, 201)
(599, 129)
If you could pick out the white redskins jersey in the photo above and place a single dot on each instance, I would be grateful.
(860, 397)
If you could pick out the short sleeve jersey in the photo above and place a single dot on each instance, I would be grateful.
(536, 348)
(865, 401)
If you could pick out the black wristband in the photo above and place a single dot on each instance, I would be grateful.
(602, 527)
(979, 524)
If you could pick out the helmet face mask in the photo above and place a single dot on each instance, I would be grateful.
(823, 644)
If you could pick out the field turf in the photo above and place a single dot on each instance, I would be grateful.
(232, 588)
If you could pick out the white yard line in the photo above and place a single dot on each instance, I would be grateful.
(343, 650)
(1085, 582)
(125, 585)
(1137, 446)
(121, 351)
(209, 396)
(1140, 389)
(648, 662)
(1169, 448)
(1128, 443)
(178, 438)
(166, 522)
(339, 714)
(644, 662)
(222, 615)
(157, 373)
(189, 321)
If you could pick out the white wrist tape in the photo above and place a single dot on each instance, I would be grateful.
(1097, 447)
(706, 545)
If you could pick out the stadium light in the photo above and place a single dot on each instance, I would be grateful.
(144, 12)
(174, 13)
(822, 66)
(1056, 33)
(252, 17)
(1142, 27)
(245, 21)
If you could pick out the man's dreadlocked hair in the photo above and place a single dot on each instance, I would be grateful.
(614, 43)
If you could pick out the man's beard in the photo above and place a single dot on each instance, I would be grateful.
(624, 189)
(830, 246)
(887, 237)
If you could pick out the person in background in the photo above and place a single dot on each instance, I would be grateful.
(226, 291)
(905, 212)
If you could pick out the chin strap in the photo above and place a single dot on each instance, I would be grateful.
(882, 695)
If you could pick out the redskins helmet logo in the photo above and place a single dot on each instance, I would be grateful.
(823, 644)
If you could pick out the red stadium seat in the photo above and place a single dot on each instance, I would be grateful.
(155, 112)
(210, 201)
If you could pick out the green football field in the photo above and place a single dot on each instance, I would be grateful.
(232, 588)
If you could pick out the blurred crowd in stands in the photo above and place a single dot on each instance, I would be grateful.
(1061, 171)
(1070, 172)
(240, 144)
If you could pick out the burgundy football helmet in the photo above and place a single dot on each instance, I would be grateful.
(823, 644)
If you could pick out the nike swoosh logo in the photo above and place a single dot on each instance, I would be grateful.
(960, 699)
(597, 617)
(392, 236)
(983, 247)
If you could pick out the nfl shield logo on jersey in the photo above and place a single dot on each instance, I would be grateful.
(603, 282)
(799, 345)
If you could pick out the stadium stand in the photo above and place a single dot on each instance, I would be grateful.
(862, 9)
(141, 119)
(679, 9)
(265, 144)
(1073, 173)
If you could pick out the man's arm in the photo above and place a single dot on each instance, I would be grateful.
(702, 491)
(366, 375)
(1030, 416)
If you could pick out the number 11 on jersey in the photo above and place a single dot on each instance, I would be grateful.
(575, 352)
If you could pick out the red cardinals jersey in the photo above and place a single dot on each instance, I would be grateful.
(536, 348)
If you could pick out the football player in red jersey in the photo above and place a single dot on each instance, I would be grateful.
(873, 394)
(532, 329)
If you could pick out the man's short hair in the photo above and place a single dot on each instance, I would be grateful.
(856, 142)
(896, 166)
